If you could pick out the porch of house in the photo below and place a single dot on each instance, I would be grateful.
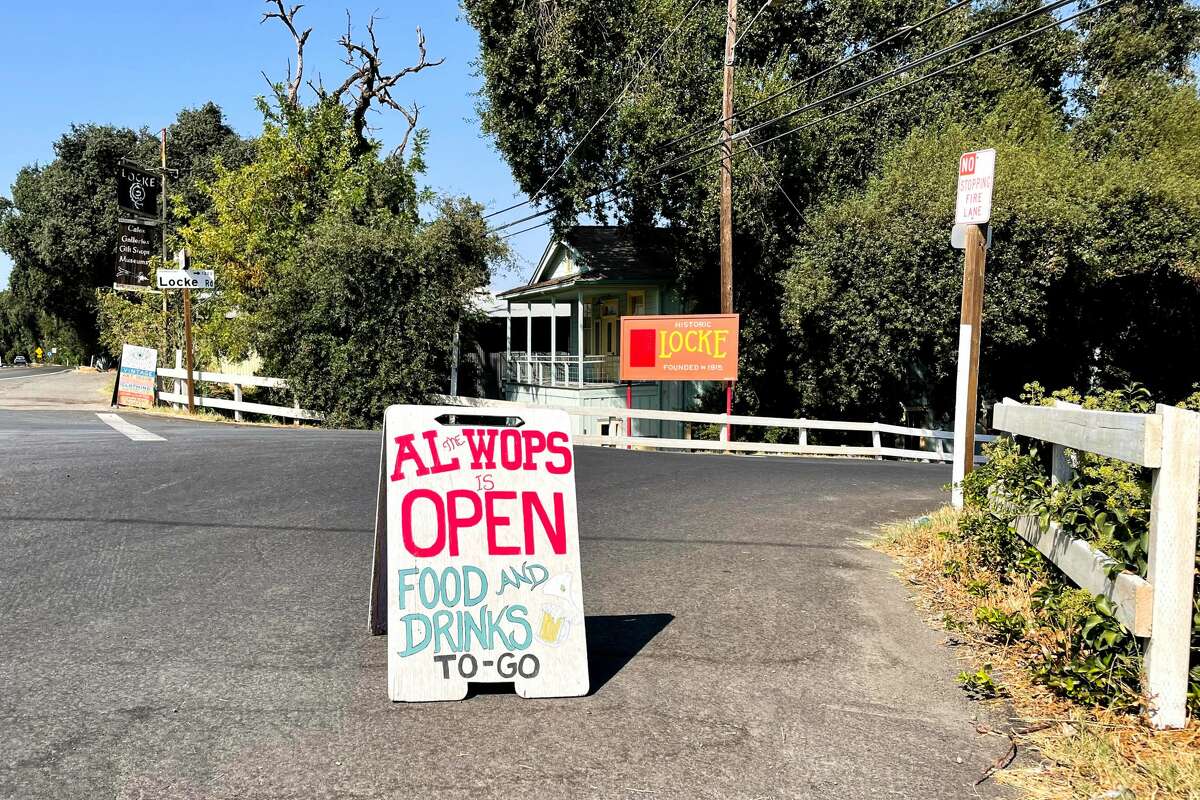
(565, 351)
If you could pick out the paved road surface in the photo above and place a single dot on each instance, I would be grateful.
(54, 387)
(10, 373)
(187, 618)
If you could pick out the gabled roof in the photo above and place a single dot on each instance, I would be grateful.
(606, 253)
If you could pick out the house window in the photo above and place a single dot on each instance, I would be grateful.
(637, 303)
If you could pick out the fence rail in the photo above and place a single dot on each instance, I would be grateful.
(1158, 606)
(237, 405)
(618, 421)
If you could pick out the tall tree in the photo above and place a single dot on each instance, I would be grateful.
(328, 271)
(60, 228)
(553, 70)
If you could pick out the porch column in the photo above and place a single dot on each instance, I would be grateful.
(508, 338)
(553, 341)
(529, 343)
(579, 326)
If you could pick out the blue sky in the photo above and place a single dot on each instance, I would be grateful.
(138, 62)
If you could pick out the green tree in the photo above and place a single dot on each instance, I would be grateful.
(60, 227)
(549, 76)
(328, 271)
(366, 316)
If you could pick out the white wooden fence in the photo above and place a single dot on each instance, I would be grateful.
(178, 395)
(617, 418)
(1160, 605)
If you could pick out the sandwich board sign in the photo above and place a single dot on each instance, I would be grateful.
(976, 174)
(476, 568)
(136, 381)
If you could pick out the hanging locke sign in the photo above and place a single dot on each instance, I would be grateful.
(476, 571)
(138, 190)
(695, 347)
(134, 248)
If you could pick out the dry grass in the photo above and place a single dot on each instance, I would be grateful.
(1085, 753)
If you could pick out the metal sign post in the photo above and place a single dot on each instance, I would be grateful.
(976, 174)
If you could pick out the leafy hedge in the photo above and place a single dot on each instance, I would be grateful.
(1081, 650)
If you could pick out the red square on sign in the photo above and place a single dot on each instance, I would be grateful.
(966, 164)
(641, 347)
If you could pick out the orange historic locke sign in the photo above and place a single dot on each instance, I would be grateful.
(692, 347)
(476, 574)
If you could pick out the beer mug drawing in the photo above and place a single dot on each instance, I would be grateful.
(554, 625)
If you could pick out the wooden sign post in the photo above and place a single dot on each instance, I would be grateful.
(976, 175)
(476, 572)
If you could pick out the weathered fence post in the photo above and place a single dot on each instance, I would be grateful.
(877, 442)
(237, 398)
(178, 388)
(1172, 560)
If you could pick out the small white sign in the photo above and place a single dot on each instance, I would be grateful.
(476, 572)
(976, 174)
(186, 279)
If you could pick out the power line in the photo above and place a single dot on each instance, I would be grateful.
(907, 84)
(903, 31)
(973, 39)
(866, 84)
(750, 24)
(603, 114)
(867, 100)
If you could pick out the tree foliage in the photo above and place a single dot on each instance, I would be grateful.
(328, 271)
(841, 253)
(60, 228)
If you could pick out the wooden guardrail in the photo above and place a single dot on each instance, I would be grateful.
(236, 405)
(1158, 606)
(618, 438)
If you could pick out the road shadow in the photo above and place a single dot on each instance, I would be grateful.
(612, 642)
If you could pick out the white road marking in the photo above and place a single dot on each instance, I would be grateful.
(35, 375)
(129, 429)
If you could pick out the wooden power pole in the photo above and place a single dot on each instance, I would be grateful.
(727, 164)
(162, 237)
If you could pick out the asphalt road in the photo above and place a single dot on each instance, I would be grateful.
(187, 618)
(12, 373)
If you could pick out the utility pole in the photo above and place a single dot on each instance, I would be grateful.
(162, 236)
(727, 185)
(727, 164)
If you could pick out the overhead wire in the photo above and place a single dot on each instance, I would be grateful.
(902, 31)
(579, 142)
(791, 131)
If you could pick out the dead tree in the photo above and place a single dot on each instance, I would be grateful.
(367, 86)
(288, 19)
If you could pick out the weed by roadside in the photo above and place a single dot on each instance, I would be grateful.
(1002, 631)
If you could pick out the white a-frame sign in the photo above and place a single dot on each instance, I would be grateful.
(476, 574)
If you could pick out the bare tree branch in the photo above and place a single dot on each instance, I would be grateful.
(368, 84)
(288, 18)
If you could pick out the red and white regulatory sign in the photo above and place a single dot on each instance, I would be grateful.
(477, 553)
(976, 174)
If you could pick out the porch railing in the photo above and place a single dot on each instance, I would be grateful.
(539, 369)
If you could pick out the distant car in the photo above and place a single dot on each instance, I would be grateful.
(20, 361)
